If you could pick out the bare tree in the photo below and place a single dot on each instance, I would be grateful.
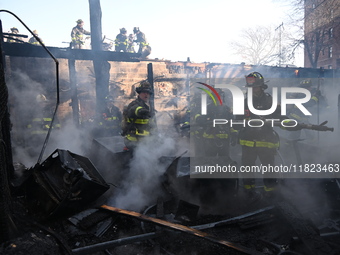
(314, 22)
(257, 46)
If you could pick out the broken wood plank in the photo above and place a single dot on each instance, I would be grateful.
(182, 228)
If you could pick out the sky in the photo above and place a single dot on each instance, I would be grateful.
(175, 30)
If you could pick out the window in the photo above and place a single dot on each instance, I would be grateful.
(330, 33)
(330, 52)
(329, 66)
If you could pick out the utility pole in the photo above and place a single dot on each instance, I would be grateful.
(280, 27)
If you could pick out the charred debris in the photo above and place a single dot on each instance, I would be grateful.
(64, 204)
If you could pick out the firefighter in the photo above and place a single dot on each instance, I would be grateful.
(317, 101)
(138, 117)
(144, 47)
(38, 125)
(14, 39)
(33, 40)
(77, 35)
(258, 142)
(110, 119)
(121, 41)
(195, 131)
(131, 47)
(216, 140)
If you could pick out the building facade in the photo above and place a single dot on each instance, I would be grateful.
(322, 34)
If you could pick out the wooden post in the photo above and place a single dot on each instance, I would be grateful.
(101, 67)
(74, 96)
(7, 226)
(152, 97)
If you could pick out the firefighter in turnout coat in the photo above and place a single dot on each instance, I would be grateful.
(77, 35)
(258, 142)
(138, 117)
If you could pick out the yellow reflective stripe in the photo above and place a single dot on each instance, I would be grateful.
(246, 186)
(131, 138)
(42, 119)
(205, 135)
(143, 133)
(39, 132)
(222, 136)
(259, 144)
(137, 109)
(139, 121)
(266, 144)
(315, 99)
(247, 143)
(111, 118)
(197, 115)
(267, 189)
(142, 121)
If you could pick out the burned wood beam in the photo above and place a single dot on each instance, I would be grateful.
(181, 228)
(152, 97)
(153, 235)
(30, 50)
(74, 97)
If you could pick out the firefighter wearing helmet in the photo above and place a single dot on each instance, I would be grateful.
(258, 142)
(144, 47)
(315, 105)
(33, 39)
(109, 120)
(216, 140)
(121, 41)
(138, 117)
(77, 35)
(131, 47)
(317, 97)
(38, 125)
(12, 38)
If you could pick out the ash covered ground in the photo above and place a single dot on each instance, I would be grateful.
(301, 218)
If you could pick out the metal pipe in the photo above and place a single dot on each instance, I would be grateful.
(110, 244)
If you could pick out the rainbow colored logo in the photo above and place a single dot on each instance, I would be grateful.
(210, 94)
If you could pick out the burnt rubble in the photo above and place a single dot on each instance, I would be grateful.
(61, 207)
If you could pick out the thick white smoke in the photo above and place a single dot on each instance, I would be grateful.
(142, 185)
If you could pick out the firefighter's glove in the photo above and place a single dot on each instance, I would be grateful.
(144, 113)
(321, 128)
